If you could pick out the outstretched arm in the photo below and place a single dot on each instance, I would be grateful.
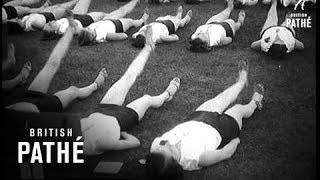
(209, 158)
(170, 38)
(256, 45)
(225, 41)
(128, 142)
(298, 45)
(116, 36)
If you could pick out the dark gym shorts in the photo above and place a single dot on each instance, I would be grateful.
(169, 25)
(126, 117)
(11, 12)
(226, 125)
(49, 16)
(84, 19)
(277, 26)
(118, 24)
(44, 102)
(226, 26)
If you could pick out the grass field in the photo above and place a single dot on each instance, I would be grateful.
(276, 142)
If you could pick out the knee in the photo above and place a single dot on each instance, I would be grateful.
(74, 89)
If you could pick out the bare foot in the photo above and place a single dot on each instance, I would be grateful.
(25, 72)
(243, 67)
(101, 77)
(172, 88)
(259, 91)
(11, 59)
(145, 16)
(241, 17)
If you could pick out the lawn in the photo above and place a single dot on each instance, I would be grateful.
(278, 141)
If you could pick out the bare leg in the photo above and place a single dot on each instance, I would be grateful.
(224, 99)
(66, 5)
(10, 60)
(223, 15)
(21, 10)
(22, 2)
(43, 79)
(272, 17)
(19, 79)
(186, 19)
(284, 23)
(142, 104)
(238, 111)
(128, 22)
(122, 11)
(235, 26)
(82, 7)
(118, 91)
(68, 95)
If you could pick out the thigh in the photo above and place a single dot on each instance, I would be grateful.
(232, 24)
(211, 106)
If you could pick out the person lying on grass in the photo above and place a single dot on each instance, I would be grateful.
(219, 30)
(209, 135)
(36, 98)
(36, 21)
(57, 28)
(277, 40)
(10, 61)
(109, 30)
(106, 128)
(295, 3)
(17, 9)
(164, 28)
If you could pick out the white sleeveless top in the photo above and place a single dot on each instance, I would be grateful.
(216, 33)
(269, 36)
(195, 137)
(102, 28)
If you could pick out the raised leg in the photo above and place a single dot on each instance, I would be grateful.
(66, 5)
(43, 79)
(82, 7)
(122, 11)
(21, 10)
(186, 19)
(272, 17)
(224, 99)
(142, 104)
(118, 91)
(128, 22)
(68, 95)
(235, 26)
(238, 111)
(22, 2)
(223, 15)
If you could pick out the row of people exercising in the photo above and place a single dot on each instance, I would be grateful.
(219, 30)
(209, 135)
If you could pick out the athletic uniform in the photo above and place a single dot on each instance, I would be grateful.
(201, 132)
(43, 102)
(102, 28)
(37, 19)
(216, 31)
(104, 127)
(81, 20)
(11, 12)
(269, 35)
(162, 27)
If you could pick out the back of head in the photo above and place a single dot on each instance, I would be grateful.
(86, 37)
(158, 166)
(277, 50)
(139, 41)
(197, 45)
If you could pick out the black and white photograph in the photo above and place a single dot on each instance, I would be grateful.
(159, 89)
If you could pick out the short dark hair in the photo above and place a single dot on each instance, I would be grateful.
(197, 45)
(50, 35)
(85, 38)
(139, 41)
(277, 50)
(158, 167)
